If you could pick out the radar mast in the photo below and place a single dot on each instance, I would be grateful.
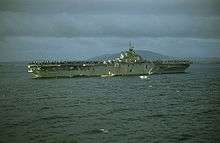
(131, 47)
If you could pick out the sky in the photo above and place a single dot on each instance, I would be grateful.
(80, 29)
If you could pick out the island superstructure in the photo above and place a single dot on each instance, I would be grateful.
(129, 63)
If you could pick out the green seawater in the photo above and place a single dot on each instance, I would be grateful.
(163, 108)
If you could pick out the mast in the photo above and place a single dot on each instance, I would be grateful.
(131, 47)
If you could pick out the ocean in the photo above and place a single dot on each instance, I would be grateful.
(161, 109)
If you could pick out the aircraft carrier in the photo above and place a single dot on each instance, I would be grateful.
(129, 63)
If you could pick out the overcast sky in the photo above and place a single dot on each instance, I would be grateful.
(78, 29)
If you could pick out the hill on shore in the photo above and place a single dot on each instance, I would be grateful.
(143, 53)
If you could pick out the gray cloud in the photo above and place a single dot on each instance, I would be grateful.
(197, 7)
(67, 25)
(63, 29)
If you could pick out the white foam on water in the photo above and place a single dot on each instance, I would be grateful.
(104, 130)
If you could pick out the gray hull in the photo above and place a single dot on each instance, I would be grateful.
(108, 69)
